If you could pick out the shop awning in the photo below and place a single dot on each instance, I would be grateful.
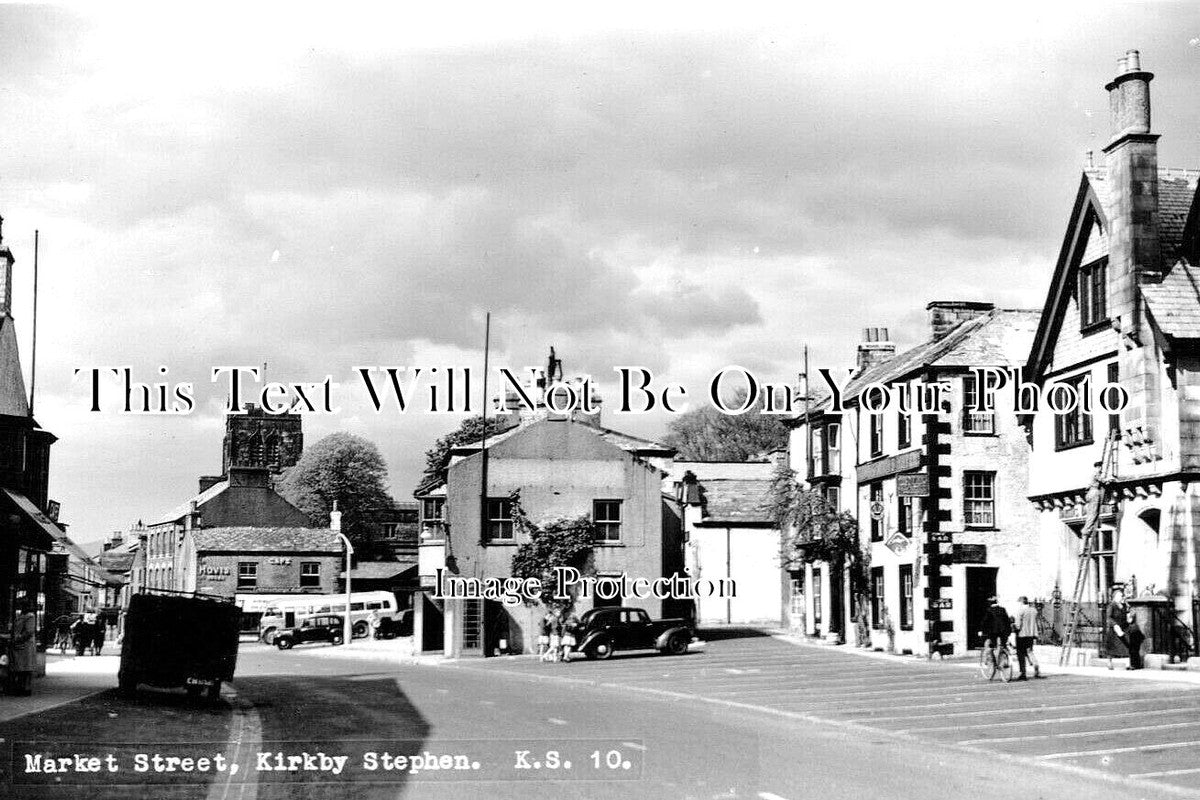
(41, 531)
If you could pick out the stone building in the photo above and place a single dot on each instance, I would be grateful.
(28, 533)
(877, 467)
(259, 440)
(245, 499)
(1124, 306)
(729, 535)
(562, 465)
(238, 561)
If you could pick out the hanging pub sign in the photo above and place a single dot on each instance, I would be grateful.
(898, 543)
(912, 484)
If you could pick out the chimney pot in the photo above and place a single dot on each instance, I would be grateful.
(1133, 61)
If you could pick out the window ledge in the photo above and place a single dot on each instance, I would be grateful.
(1058, 448)
(498, 543)
(608, 544)
(1093, 327)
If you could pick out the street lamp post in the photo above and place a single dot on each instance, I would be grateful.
(335, 525)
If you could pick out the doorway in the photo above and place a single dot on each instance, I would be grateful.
(981, 584)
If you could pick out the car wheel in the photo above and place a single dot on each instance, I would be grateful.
(283, 642)
(194, 691)
(268, 636)
(214, 691)
(677, 645)
(600, 649)
(336, 638)
(361, 629)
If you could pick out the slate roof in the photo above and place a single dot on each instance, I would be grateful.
(184, 508)
(1175, 302)
(266, 540)
(736, 501)
(378, 570)
(1176, 191)
(14, 400)
(1000, 337)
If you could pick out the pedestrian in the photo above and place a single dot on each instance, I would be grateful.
(554, 650)
(862, 621)
(373, 624)
(1025, 628)
(98, 637)
(24, 648)
(1124, 628)
(996, 625)
(544, 635)
(570, 630)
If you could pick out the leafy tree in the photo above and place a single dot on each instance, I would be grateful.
(345, 468)
(816, 531)
(706, 434)
(437, 458)
(557, 542)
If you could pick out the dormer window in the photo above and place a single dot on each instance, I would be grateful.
(1093, 293)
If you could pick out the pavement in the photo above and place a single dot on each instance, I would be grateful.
(67, 679)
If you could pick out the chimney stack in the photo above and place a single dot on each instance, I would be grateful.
(945, 314)
(874, 349)
(335, 519)
(1135, 253)
(1134, 247)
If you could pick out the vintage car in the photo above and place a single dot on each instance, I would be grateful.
(321, 628)
(602, 631)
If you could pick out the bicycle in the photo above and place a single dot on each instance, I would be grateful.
(996, 660)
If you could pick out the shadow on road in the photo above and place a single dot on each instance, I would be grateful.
(731, 632)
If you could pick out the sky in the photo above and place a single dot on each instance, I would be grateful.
(668, 186)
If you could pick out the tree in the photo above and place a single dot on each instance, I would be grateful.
(706, 434)
(816, 531)
(556, 542)
(472, 429)
(345, 468)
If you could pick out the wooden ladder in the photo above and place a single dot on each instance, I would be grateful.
(1096, 495)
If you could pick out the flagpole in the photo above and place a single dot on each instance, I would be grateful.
(33, 355)
(483, 466)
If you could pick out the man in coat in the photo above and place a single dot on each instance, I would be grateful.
(996, 625)
(24, 648)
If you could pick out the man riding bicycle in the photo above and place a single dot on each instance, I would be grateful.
(996, 626)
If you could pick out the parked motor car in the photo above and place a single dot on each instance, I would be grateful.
(603, 631)
(391, 627)
(321, 628)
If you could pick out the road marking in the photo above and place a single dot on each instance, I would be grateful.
(1076, 734)
(1115, 750)
(635, 746)
(1165, 773)
(487, 702)
(1048, 720)
(770, 796)
(997, 710)
(245, 735)
(557, 721)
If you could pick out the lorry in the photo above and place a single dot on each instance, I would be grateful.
(603, 631)
(176, 639)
